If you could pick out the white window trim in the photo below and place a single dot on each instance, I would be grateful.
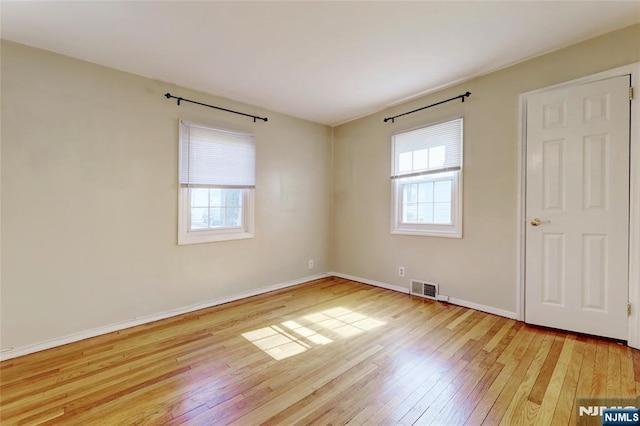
(430, 230)
(187, 236)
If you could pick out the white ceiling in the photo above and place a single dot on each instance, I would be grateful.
(327, 62)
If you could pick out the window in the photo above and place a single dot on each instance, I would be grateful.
(217, 181)
(426, 180)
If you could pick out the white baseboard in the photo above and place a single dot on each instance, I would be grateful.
(452, 300)
(75, 337)
(483, 308)
(371, 282)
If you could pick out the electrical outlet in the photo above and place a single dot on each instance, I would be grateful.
(311, 264)
(401, 271)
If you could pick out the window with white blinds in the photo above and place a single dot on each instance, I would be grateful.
(427, 150)
(215, 157)
(426, 180)
(217, 183)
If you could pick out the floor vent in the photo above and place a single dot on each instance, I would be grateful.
(424, 289)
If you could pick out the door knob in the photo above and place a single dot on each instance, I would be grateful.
(538, 222)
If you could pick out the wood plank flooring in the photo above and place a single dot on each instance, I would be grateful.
(331, 351)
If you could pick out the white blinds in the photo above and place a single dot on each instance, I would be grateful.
(210, 156)
(432, 149)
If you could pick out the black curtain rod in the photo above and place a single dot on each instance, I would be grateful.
(255, 117)
(464, 95)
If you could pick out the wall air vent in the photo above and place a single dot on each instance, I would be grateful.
(424, 289)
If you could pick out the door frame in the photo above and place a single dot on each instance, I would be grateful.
(634, 190)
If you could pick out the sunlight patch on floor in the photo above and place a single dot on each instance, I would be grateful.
(344, 322)
(276, 342)
(291, 337)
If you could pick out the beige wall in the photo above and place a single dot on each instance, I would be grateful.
(480, 267)
(89, 199)
(89, 193)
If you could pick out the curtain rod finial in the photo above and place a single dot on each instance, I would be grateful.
(167, 95)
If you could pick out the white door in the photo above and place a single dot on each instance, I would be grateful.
(577, 208)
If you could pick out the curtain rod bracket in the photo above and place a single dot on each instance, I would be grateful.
(180, 98)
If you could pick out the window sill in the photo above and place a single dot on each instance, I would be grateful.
(449, 233)
(204, 237)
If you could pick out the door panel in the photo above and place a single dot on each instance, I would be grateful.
(577, 208)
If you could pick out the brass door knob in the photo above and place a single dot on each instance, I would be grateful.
(538, 222)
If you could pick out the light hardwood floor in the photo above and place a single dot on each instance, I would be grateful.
(331, 351)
